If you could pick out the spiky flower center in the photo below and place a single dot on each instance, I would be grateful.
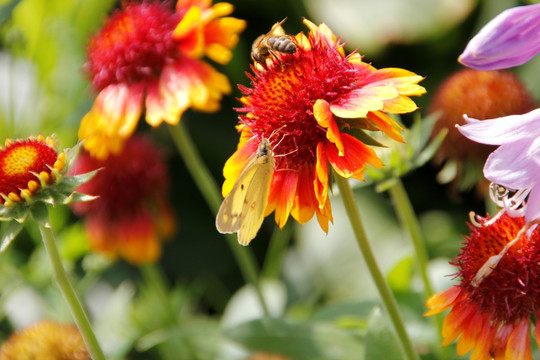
(510, 292)
(280, 102)
(23, 163)
(134, 45)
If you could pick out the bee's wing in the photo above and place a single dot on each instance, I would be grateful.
(255, 201)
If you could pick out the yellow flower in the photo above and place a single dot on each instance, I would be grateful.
(46, 340)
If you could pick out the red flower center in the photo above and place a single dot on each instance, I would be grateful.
(126, 182)
(20, 161)
(134, 45)
(511, 291)
(281, 99)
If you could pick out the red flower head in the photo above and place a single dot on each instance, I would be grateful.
(492, 314)
(27, 165)
(131, 215)
(147, 53)
(312, 102)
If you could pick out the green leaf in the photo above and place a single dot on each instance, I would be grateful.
(381, 342)
(300, 341)
(40, 213)
(400, 277)
(12, 230)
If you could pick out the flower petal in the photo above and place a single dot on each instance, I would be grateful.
(519, 344)
(512, 166)
(287, 189)
(510, 39)
(502, 130)
(305, 201)
(532, 211)
(386, 125)
(320, 183)
(359, 102)
(441, 301)
(235, 164)
(325, 118)
(356, 156)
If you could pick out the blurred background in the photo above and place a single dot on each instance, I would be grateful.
(194, 304)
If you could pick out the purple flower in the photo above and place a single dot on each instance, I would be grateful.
(516, 163)
(512, 38)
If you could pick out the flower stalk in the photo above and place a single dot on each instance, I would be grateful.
(383, 288)
(209, 189)
(75, 306)
(407, 217)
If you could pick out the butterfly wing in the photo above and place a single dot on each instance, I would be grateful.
(242, 211)
(229, 217)
(256, 201)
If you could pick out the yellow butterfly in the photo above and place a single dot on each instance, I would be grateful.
(242, 210)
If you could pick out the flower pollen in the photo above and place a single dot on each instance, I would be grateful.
(26, 165)
(126, 52)
(291, 90)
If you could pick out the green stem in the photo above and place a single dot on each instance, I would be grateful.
(209, 189)
(408, 219)
(276, 252)
(376, 274)
(81, 319)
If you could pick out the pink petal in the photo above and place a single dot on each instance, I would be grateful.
(510, 39)
(502, 130)
(511, 166)
(532, 212)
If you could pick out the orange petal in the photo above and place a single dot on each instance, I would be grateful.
(454, 323)
(472, 329)
(305, 201)
(189, 32)
(324, 215)
(484, 341)
(442, 301)
(500, 341)
(325, 118)
(519, 344)
(181, 5)
(386, 124)
(356, 156)
(320, 183)
(287, 192)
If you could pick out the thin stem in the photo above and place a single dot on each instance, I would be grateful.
(408, 219)
(81, 319)
(276, 252)
(385, 293)
(209, 189)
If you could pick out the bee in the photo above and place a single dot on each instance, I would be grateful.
(271, 43)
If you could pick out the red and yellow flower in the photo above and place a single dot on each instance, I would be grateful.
(131, 217)
(492, 317)
(148, 56)
(312, 105)
(28, 165)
